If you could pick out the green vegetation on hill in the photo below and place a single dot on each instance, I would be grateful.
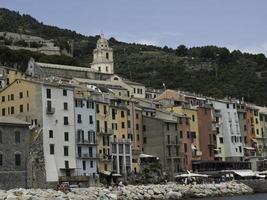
(208, 70)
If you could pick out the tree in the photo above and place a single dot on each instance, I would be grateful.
(181, 50)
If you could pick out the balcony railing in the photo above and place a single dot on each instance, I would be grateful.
(86, 142)
(121, 141)
(103, 131)
(50, 110)
(87, 156)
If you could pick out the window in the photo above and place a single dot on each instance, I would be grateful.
(67, 164)
(91, 119)
(137, 127)
(137, 137)
(97, 108)
(221, 140)
(13, 109)
(122, 125)
(168, 139)
(97, 126)
(3, 111)
(107, 56)
(28, 107)
(136, 116)
(27, 93)
(12, 97)
(17, 159)
(66, 136)
(79, 118)
(169, 151)
(90, 152)
(52, 149)
(227, 105)
(122, 114)
(48, 93)
(144, 139)
(17, 137)
(168, 126)
(185, 147)
(84, 165)
(66, 121)
(1, 159)
(193, 118)
(21, 95)
(65, 92)
(188, 134)
(1, 137)
(181, 134)
(21, 108)
(65, 106)
(51, 134)
(3, 98)
(66, 150)
(91, 164)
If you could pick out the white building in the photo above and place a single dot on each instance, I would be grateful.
(229, 139)
(86, 138)
(58, 131)
(121, 156)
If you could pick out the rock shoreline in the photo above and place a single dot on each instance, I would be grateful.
(137, 192)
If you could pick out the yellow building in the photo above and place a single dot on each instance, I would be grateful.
(22, 99)
(113, 139)
(192, 113)
(104, 133)
(262, 136)
(257, 131)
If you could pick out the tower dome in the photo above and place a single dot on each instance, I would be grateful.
(102, 42)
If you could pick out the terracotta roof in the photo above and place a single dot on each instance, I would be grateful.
(170, 94)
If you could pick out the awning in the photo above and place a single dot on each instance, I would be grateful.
(189, 174)
(245, 173)
(116, 175)
(249, 148)
(147, 156)
(107, 173)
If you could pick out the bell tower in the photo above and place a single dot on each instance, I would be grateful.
(103, 57)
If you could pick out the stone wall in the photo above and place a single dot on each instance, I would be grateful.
(12, 174)
(167, 191)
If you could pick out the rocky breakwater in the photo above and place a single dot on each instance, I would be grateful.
(142, 192)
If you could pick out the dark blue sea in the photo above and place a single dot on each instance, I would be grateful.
(248, 197)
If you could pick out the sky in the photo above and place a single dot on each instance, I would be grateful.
(235, 24)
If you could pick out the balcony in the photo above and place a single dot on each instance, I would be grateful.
(50, 110)
(173, 143)
(106, 158)
(87, 156)
(86, 142)
(124, 141)
(103, 131)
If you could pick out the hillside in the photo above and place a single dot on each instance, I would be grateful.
(208, 70)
